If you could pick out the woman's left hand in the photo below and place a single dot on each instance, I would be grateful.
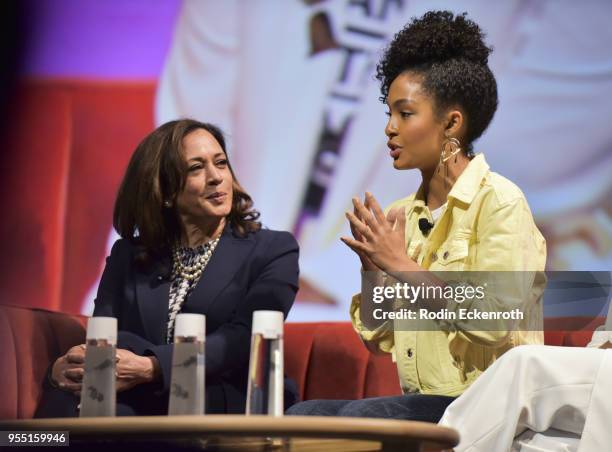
(132, 369)
(383, 238)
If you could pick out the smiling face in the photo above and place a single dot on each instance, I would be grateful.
(414, 130)
(208, 192)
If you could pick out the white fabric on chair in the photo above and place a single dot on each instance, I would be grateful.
(539, 398)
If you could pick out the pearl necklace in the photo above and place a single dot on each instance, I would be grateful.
(193, 271)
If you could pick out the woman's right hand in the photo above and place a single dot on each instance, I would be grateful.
(366, 263)
(68, 370)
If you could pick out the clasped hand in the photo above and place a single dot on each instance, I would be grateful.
(378, 240)
(130, 369)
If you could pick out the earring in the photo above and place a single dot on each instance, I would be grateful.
(450, 147)
(167, 203)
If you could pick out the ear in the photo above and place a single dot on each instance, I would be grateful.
(455, 122)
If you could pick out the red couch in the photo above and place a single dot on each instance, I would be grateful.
(327, 360)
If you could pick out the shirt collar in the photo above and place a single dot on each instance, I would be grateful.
(466, 186)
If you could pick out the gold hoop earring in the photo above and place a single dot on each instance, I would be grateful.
(451, 147)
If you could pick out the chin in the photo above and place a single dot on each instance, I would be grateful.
(216, 212)
(222, 212)
(401, 165)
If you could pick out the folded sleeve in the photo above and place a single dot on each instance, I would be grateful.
(382, 336)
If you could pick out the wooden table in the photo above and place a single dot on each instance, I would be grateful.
(232, 432)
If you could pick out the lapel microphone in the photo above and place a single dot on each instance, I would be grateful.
(425, 225)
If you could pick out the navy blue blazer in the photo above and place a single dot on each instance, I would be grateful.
(244, 274)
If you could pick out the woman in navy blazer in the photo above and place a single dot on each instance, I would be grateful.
(190, 244)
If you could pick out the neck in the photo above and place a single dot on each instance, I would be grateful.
(199, 232)
(438, 184)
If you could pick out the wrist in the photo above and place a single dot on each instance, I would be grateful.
(405, 264)
(405, 269)
(152, 369)
(50, 376)
(367, 265)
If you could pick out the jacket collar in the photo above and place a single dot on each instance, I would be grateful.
(153, 288)
(467, 184)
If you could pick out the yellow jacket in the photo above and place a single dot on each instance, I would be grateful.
(487, 226)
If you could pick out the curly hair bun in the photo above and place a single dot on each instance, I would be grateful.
(441, 36)
(449, 52)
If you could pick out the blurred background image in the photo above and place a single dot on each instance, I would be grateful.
(292, 84)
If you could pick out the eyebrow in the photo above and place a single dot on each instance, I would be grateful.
(200, 159)
(399, 102)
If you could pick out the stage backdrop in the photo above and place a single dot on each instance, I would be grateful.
(291, 82)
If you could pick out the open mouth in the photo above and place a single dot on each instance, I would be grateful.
(394, 150)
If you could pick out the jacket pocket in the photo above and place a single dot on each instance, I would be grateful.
(452, 255)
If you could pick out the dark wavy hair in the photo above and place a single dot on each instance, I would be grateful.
(449, 52)
(157, 173)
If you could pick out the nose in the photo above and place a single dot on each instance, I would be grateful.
(214, 176)
(391, 129)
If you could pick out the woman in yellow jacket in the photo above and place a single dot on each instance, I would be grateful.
(441, 96)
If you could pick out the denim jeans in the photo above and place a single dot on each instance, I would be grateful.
(413, 407)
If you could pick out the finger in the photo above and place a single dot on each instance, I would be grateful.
(373, 205)
(354, 230)
(392, 216)
(77, 349)
(364, 214)
(69, 379)
(72, 387)
(363, 230)
(358, 247)
(122, 353)
(400, 220)
(75, 358)
(357, 207)
(74, 366)
(397, 217)
(75, 375)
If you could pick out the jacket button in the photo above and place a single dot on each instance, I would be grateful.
(409, 353)
(434, 256)
(445, 256)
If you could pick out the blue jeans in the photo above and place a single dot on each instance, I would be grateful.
(413, 407)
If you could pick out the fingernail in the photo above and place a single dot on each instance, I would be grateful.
(62, 385)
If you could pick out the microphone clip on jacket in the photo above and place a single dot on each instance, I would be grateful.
(425, 226)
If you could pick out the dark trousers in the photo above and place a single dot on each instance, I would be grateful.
(413, 407)
(135, 402)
